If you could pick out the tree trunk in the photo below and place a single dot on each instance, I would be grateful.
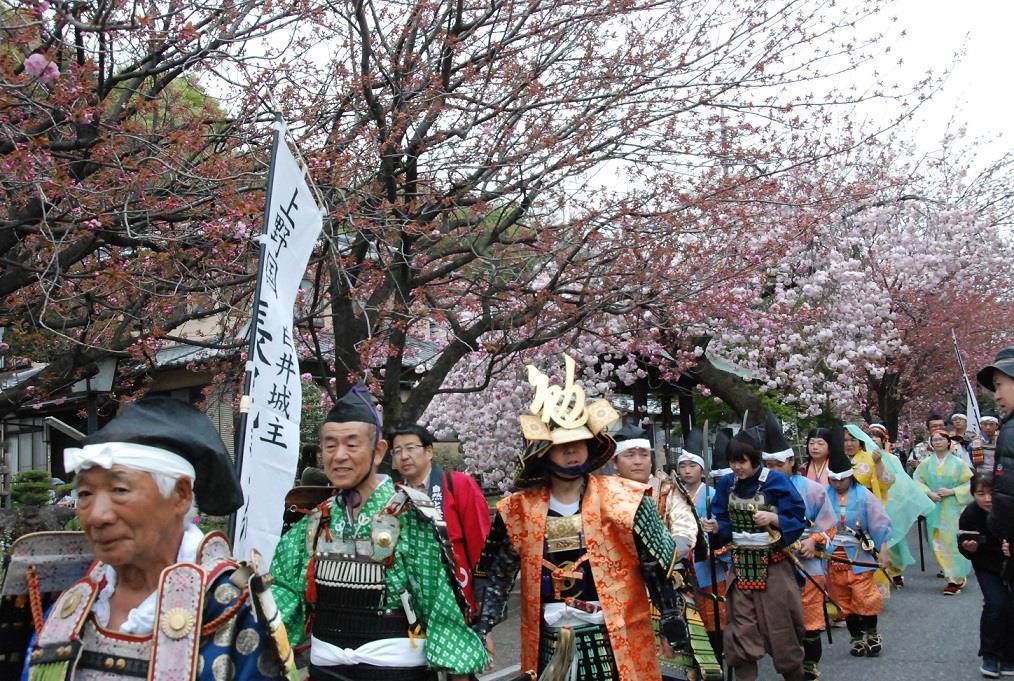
(731, 389)
(889, 401)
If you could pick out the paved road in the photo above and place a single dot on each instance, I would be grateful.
(928, 636)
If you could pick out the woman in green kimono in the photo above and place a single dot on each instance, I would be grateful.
(944, 479)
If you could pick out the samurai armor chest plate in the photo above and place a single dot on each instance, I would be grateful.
(355, 582)
(566, 570)
(108, 656)
(564, 534)
(750, 560)
(351, 594)
(741, 512)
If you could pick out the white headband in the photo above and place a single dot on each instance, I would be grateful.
(633, 443)
(989, 418)
(783, 455)
(142, 457)
(960, 416)
(720, 472)
(840, 476)
(691, 457)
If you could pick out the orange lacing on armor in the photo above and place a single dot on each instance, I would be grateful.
(35, 599)
(217, 623)
(561, 574)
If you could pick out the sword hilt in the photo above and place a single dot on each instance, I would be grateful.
(775, 534)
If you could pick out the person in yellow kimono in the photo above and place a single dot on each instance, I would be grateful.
(867, 466)
(943, 477)
(904, 504)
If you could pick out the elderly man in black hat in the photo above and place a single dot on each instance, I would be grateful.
(999, 377)
(162, 600)
(372, 587)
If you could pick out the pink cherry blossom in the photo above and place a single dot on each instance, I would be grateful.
(41, 67)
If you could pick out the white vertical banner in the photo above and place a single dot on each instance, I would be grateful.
(270, 444)
(972, 413)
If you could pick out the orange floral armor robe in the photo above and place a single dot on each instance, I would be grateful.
(625, 542)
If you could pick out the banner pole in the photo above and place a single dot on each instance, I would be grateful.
(244, 401)
(971, 403)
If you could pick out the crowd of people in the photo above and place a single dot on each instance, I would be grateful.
(740, 552)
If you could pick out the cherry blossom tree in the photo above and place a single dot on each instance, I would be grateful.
(126, 185)
(858, 319)
(862, 295)
(503, 175)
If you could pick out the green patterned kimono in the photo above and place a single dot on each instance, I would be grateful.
(418, 569)
(942, 522)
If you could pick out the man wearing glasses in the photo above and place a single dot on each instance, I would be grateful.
(457, 494)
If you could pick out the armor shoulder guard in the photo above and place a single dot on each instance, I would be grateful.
(313, 527)
(424, 509)
(215, 554)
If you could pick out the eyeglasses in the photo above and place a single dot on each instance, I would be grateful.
(407, 449)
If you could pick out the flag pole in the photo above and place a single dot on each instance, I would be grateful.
(971, 403)
(244, 401)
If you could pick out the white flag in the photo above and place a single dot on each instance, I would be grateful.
(270, 449)
(971, 402)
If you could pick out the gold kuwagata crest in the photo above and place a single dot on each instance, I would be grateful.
(560, 413)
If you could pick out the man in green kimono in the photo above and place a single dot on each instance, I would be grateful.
(379, 602)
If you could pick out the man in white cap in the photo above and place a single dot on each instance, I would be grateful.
(162, 600)
(633, 459)
(983, 446)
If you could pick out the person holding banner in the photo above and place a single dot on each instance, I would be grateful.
(367, 576)
(982, 449)
(162, 600)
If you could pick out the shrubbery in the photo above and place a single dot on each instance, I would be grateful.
(31, 488)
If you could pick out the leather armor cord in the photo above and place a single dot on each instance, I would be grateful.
(35, 599)
(217, 623)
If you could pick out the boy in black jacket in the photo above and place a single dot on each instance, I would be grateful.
(977, 543)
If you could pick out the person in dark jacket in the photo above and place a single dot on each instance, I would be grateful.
(999, 377)
(977, 543)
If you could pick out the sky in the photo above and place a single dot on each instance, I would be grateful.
(978, 91)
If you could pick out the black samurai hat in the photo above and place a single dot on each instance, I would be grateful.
(175, 426)
(720, 455)
(776, 448)
(355, 405)
(839, 466)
